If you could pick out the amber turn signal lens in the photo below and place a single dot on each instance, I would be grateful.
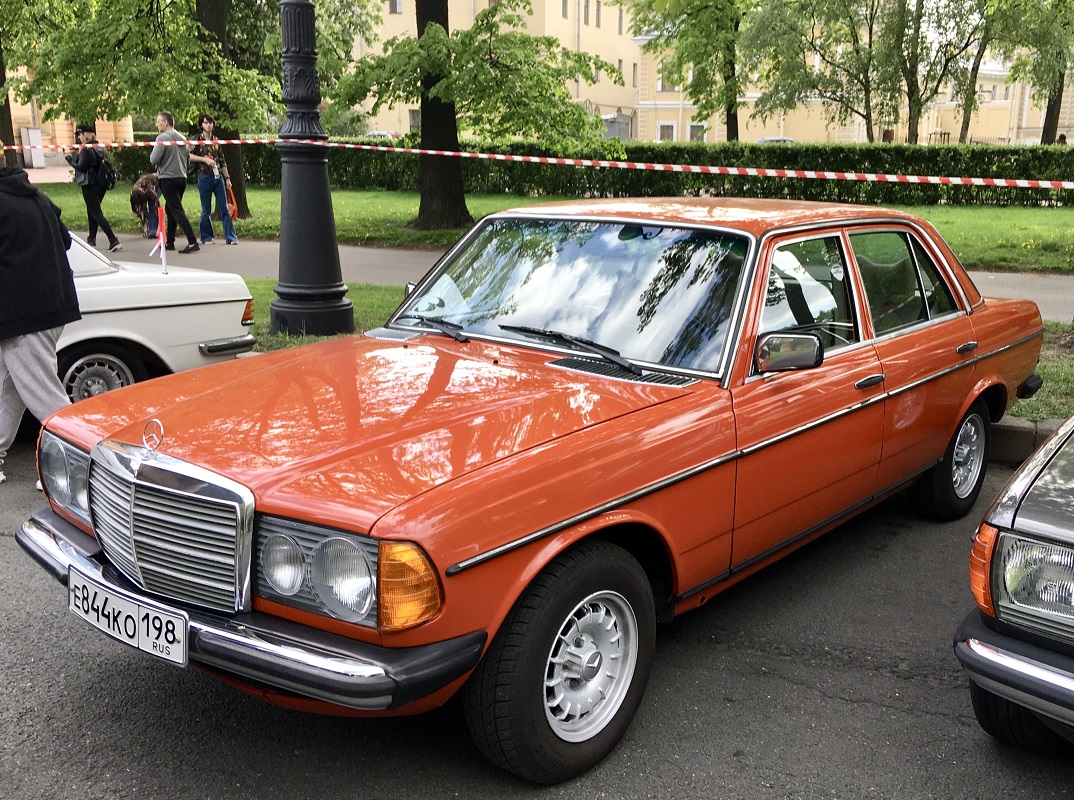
(248, 313)
(980, 558)
(409, 590)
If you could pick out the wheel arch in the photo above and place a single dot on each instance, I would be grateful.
(650, 550)
(154, 364)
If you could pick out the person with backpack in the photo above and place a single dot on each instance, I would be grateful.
(95, 175)
(213, 181)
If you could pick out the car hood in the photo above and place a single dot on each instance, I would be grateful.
(142, 286)
(345, 430)
(1047, 508)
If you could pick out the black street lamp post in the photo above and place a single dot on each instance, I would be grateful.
(311, 295)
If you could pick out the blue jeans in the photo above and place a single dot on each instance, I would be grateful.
(208, 186)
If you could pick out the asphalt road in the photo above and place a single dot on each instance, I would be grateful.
(829, 675)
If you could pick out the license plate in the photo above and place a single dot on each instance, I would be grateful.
(149, 628)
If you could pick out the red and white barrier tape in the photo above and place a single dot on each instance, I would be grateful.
(753, 172)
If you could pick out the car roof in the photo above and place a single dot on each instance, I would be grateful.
(749, 214)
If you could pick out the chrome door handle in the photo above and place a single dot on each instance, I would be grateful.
(871, 381)
(968, 347)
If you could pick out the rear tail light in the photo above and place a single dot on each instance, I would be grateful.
(248, 313)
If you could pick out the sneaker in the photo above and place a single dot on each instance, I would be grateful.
(234, 241)
(193, 247)
(91, 242)
(114, 247)
(208, 241)
(169, 247)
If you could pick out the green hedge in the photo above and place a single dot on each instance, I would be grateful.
(365, 169)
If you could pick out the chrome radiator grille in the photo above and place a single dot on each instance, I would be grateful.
(174, 529)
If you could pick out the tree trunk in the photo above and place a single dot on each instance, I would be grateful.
(7, 132)
(443, 201)
(1051, 113)
(969, 97)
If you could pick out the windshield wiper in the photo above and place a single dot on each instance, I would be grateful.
(607, 353)
(451, 329)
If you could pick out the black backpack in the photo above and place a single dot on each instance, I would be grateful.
(106, 173)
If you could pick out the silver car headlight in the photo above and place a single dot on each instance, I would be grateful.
(64, 471)
(317, 569)
(1034, 583)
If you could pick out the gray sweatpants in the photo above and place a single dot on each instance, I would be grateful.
(28, 381)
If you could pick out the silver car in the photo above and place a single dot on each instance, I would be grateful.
(1018, 645)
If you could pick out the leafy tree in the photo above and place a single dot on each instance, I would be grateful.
(1043, 50)
(696, 43)
(826, 49)
(492, 79)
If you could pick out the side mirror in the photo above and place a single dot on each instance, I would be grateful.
(409, 288)
(781, 352)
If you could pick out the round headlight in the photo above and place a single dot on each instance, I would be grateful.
(281, 560)
(342, 579)
(55, 472)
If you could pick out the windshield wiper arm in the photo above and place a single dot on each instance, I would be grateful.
(607, 353)
(451, 329)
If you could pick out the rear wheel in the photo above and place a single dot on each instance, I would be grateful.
(563, 678)
(1012, 723)
(949, 490)
(92, 368)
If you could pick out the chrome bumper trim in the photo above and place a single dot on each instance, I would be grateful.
(270, 651)
(221, 347)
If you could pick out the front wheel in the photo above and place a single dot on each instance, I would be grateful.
(1012, 723)
(563, 678)
(949, 490)
(91, 368)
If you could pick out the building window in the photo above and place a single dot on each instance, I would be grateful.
(598, 14)
(634, 75)
(1007, 92)
(585, 12)
(697, 132)
(620, 20)
(415, 120)
(666, 132)
(664, 85)
(395, 6)
(566, 8)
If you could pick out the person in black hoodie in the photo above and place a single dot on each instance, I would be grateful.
(87, 163)
(37, 298)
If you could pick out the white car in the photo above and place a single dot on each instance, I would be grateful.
(138, 322)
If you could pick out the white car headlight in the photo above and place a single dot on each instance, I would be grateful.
(1036, 578)
(342, 578)
(282, 564)
(64, 473)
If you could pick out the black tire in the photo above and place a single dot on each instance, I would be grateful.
(949, 490)
(518, 703)
(90, 368)
(1013, 724)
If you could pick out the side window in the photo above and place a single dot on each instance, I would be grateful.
(809, 290)
(902, 284)
(938, 297)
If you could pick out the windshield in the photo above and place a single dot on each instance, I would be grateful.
(656, 295)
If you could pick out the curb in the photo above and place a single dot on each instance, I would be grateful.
(1015, 439)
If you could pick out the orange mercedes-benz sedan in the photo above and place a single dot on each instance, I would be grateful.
(588, 418)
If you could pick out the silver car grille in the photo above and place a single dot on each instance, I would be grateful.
(175, 530)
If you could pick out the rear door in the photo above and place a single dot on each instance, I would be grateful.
(925, 342)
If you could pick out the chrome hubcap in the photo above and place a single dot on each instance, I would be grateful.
(590, 666)
(968, 459)
(94, 375)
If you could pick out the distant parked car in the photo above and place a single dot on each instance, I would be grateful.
(1018, 645)
(589, 417)
(139, 323)
(774, 139)
(382, 135)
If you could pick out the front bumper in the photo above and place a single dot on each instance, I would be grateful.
(1035, 677)
(267, 650)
